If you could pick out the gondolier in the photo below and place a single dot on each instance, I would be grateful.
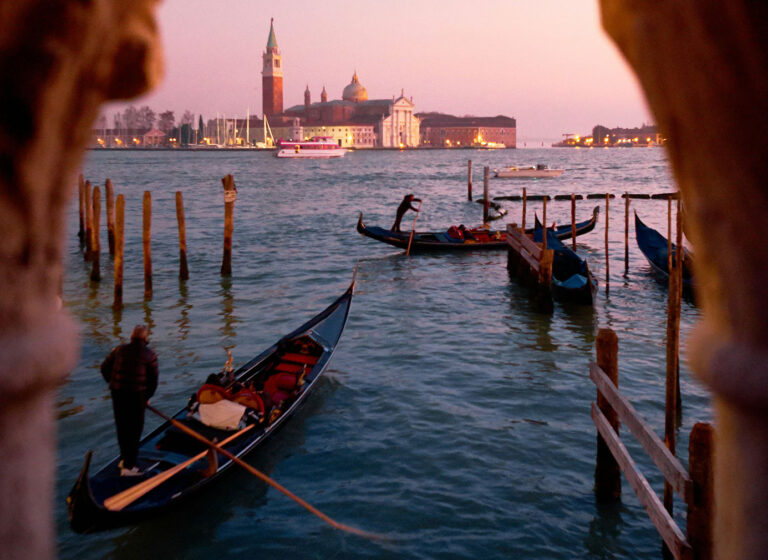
(405, 205)
(131, 371)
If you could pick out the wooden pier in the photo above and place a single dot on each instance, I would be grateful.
(531, 263)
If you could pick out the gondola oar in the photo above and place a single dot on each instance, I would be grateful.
(413, 230)
(265, 478)
(127, 497)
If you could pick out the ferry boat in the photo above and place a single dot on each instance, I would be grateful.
(316, 147)
(540, 171)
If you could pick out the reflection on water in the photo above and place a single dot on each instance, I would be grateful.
(230, 321)
(184, 307)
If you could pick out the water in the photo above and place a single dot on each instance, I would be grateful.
(454, 417)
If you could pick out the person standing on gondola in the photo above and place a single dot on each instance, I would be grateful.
(131, 371)
(405, 205)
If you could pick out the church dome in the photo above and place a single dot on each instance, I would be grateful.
(354, 91)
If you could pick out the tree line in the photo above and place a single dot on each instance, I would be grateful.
(144, 118)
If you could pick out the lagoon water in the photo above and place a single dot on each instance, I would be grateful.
(453, 418)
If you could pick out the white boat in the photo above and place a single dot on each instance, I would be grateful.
(539, 171)
(316, 147)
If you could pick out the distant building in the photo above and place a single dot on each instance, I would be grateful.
(272, 76)
(353, 121)
(360, 122)
(448, 131)
(604, 137)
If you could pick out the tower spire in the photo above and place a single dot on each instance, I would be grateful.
(272, 75)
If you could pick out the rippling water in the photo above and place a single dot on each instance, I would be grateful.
(454, 418)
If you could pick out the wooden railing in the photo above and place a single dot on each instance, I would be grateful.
(695, 488)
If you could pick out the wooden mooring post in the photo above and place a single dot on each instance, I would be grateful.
(573, 220)
(695, 486)
(607, 472)
(486, 198)
(607, 259)
(525, 202)
(81, 206)
(95, 243)
(146, 238)
(544, 228)
(88, 220)
(702, 505)
(110, 196)
(230, 194)
(183, 270)
(469, 180)
(626, 233)
(119, 246)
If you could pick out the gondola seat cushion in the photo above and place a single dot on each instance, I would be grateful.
(224, 414)
(210, 393)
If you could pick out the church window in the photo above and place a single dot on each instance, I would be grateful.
(277, 63)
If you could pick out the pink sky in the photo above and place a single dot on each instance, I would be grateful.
(548, 63)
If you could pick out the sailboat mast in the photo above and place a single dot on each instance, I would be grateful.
(247, 126)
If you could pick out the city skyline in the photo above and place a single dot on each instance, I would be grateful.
(547, 64)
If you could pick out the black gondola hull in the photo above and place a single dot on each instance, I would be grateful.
(85, 502)
(436, 241)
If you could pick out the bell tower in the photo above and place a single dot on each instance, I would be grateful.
(272, 76)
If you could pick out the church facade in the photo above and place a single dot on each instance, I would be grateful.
(353, 121)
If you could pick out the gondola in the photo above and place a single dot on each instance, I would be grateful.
(572, 281)
(478, 238)
(269, 388)
(654, 247)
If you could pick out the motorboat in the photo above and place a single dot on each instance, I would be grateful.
(538, 171)
(317, 147)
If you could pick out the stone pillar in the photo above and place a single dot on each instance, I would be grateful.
(704, 69)
(59, 60)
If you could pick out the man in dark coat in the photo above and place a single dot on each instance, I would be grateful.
(405, 205)
(131, 371)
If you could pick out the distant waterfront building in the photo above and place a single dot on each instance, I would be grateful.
(272, 76)
(358, 122)
(448, 131)
(604, 137)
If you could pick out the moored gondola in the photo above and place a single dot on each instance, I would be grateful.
(456, 239)
(263, 394)
(572, 281)
(654, 247)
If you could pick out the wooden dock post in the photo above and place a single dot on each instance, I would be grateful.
(669, 236)
(486, 200)
(81, 206)
(119, 246)
(110, 194)
(147, 243)
(183, 270)
(573, 220)
(544, 230)
(230, 194)
(701, 512)
(626, 233)
(88, 220)
(469, 180)
(95, 244)
(607, 260)
(671, 403)
(525, 201)
(607, 471)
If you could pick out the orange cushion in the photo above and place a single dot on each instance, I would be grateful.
(290, 368)
(300, 358)
(209, 394)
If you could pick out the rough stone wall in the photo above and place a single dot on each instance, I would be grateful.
(59, 60)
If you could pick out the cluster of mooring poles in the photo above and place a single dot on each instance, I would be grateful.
(90, 225)
(532, 263)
